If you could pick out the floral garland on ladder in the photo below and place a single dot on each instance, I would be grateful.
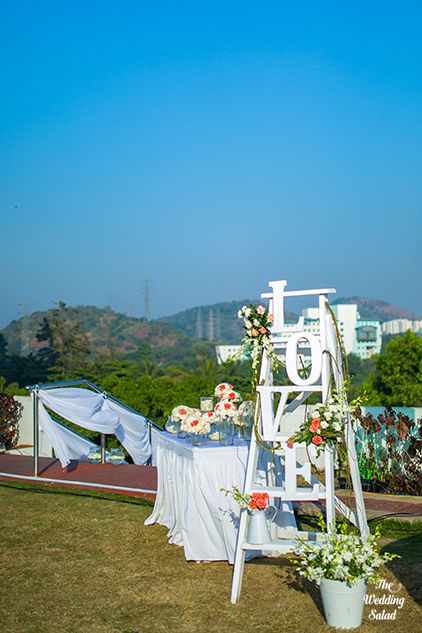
(257, 322)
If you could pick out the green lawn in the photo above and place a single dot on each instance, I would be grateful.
(76, 562)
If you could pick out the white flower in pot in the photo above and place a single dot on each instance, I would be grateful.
(342, 564)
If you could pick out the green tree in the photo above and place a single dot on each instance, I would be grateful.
(67, 346)
(359, 372)
(397, 380)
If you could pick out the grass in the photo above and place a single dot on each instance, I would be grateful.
(75, 561)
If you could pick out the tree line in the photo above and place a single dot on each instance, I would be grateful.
(392, 378)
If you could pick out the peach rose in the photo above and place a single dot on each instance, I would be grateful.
(315, 424)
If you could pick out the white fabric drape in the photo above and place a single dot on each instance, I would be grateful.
(189, 500)
(94, 412)
(133, 433)
(67, 444)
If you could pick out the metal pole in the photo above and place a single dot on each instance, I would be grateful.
(103, 448)
(36, 430)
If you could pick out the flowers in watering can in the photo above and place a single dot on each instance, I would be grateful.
(254, 501)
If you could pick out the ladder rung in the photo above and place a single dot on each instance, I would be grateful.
(300, 494)
(283, 546)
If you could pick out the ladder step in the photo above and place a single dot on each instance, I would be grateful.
(300, 494)
(283, 546)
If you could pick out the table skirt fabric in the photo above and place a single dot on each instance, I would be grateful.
(189, 500)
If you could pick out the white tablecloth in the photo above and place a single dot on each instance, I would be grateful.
(189, 501)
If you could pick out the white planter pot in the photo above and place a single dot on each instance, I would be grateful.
(343, 603)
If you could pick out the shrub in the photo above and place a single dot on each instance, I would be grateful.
(10, 414)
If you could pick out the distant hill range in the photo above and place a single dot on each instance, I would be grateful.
(112, 334)
(378, 310)
(217, 322)
(220, 322)
(171, 339)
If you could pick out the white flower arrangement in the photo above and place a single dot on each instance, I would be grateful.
(196, 423)
(180, 413)
(225, 409)
(342, 556)
(209, 416)
(221, 389)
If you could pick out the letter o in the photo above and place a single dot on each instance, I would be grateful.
(291, 358)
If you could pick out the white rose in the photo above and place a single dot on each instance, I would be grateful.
(324, 424)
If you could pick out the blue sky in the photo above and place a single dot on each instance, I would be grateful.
(211, 147)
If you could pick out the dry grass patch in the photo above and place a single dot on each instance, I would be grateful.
(85, 563)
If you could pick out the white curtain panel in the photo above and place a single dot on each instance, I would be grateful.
(67, 444)
(133, 433)
(92, 411)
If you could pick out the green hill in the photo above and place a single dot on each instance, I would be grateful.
(217, 322)
(113, 334)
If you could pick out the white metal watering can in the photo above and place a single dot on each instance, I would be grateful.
(258, 532)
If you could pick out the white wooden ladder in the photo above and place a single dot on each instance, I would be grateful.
(282, 478)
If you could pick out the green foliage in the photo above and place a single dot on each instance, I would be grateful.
(359, 371)
(397, 379)
(67, 345)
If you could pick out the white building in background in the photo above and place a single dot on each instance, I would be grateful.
(400, 326)
(225, 352)
(362, 337)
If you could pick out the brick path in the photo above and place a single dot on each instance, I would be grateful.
(103, 475)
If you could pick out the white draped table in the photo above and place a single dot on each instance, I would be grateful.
(189, 500)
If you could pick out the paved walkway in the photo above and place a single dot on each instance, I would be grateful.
(377, 505)
(142, 480)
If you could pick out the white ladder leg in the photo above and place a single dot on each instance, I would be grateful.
(356, 482)
(329, 487)
(239, 560)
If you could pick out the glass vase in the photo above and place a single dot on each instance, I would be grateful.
(94, 455)
(226, 432)
(116, 456)
(199, 439)
(172, 426)
(214, 434)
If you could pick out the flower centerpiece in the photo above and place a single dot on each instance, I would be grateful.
(221, 389)
(256, 505)
(325, 425)
(226, 412)
(225, 409)
(177, 416)
(342, 565)
(225, 391)
(198, 426)
(243, 419)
